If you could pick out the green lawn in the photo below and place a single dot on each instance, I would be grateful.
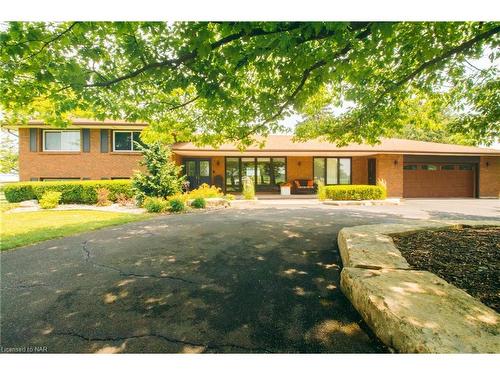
(23, 228)
(5, 206)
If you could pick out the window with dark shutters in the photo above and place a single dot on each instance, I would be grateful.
(104, 140)
(86, 140)
(33, 140)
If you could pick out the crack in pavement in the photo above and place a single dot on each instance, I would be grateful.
(130, 274)
(163, 337)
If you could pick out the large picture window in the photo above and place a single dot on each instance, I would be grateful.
(266, 172)
(332, 171)
(61, 140)
(125, 140)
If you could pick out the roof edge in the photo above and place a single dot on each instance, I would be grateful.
(185, 152)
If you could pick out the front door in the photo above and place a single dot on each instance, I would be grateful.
(372, 172)
(197, 172)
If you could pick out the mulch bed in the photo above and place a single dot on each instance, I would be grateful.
(468, 258)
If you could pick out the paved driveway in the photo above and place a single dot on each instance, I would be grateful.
(258, 279)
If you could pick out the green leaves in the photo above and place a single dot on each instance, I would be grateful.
(218, 82)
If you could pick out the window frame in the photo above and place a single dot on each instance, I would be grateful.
(465, 167)
(431, 167)
(255, 161)
(338, 168)
(446, 167)
(53, 179)
(79, 131)
(410, 167)
(131, 132)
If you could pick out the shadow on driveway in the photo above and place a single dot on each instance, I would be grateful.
(237, 280)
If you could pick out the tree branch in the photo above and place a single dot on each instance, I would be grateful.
(173, 63)
(173, 108)
(324, 34)
(11, 133)
(473, 66)
(436, 60)
(307, 73)
(52, 40)
(305, 76)
(24, 42)
(139, 49)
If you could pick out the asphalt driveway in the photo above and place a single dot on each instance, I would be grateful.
(257, 279)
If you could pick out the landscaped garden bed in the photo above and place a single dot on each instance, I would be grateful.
(468, 258)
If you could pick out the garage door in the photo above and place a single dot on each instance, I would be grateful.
(438, 180)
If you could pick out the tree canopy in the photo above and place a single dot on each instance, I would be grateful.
(213, 82)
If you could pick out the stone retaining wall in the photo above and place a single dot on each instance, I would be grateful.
(412, 311)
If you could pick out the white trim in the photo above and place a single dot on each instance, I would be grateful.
(61, 131)
(131, 143)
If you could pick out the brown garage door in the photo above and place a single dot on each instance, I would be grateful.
(438, 180)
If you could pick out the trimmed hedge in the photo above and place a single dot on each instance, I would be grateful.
(84, 192)
(354, 192)
(18, 192)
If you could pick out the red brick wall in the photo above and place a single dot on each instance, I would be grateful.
(489, 177)
(299, 168)
(94, 164)
(391, 173)
(359, 170)
(218, 168)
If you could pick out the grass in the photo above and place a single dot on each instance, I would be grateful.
(6, 206)
(24, 228)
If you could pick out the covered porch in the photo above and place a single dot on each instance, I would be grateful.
(407, 168)
(269, 170)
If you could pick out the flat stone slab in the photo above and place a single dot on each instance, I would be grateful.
(29, 203)
(371, 202)
(418, 312)
(217, 202)
(413, 311)
(369, 250)
(371, 246)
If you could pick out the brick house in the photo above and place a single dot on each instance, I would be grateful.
(104, 150)
(88, 150)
